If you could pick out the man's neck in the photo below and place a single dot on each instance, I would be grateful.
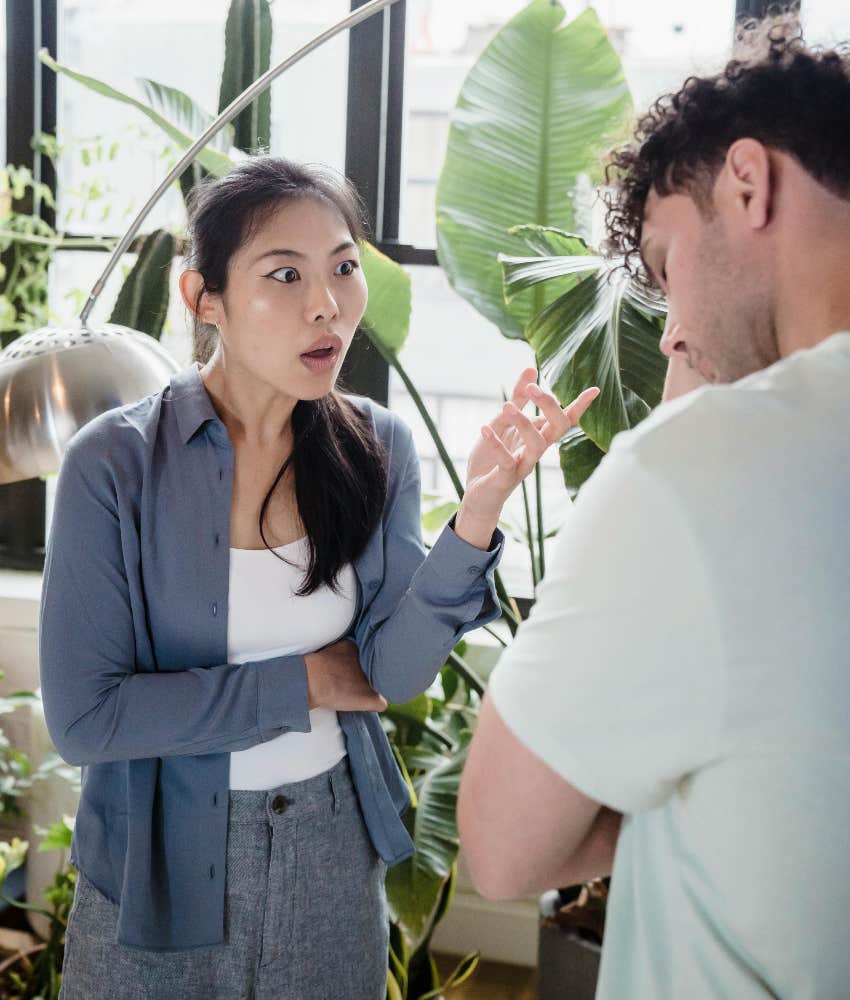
(813, 297)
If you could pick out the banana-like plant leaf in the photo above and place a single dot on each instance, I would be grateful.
(416, 887)
(387, 317)
(247, 55)
(534, 118)
(179, 108)
(412, 897)
(579, 459)
(142, 303)
(603, 331)
(435, 820)
(212, 160)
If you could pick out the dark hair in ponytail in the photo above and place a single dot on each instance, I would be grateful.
(339, 463)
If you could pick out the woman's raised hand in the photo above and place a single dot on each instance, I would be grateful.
(508, 449)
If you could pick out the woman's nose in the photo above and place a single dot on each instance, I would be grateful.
(321, 304)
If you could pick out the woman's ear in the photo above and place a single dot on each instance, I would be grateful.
(198, 301)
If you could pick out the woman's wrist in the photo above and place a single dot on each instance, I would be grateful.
(475, 528)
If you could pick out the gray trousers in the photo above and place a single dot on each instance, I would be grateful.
(305, 911)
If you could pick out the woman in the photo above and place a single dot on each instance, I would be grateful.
(235, 586)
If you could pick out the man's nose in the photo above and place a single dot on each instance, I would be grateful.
(672, 335)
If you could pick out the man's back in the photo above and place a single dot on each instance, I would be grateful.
(747, 861)
(699, 602)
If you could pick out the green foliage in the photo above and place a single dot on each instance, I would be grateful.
(143, 300)
(247, 55)
(535, 115)
(37, 975)
(26, 248)
(602, 329)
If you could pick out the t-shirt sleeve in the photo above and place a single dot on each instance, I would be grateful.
(616, 679)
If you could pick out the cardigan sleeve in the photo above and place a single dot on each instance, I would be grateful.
(425, 603)
(97, 706)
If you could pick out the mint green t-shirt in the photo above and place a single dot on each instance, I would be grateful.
(687, 663)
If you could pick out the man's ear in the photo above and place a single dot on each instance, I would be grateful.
(197, 300)
(749, 181)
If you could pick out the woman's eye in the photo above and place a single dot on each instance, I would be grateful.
(347, 268)
(285, 274)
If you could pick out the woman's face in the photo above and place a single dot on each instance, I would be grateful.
(294, 298)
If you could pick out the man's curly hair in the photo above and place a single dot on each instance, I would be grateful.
(792, 99)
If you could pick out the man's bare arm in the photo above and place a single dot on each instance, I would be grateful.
(523, 828)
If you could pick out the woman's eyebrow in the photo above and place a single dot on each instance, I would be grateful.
(281, 252)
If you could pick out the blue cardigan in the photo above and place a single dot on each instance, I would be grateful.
(133, 653)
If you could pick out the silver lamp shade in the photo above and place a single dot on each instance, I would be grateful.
(54, 380)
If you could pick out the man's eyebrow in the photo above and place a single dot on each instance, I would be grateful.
(283, 252)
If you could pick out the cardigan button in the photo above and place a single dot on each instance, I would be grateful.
(212, 871)
(279, 803)
(213, 609)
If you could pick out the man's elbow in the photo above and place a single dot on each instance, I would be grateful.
(493, 881)
(495, 876)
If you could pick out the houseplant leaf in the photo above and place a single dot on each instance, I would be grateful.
(142, 303)
(534, 117)
(604, 330)
(247, 55)
(214, 161)
(387, 317)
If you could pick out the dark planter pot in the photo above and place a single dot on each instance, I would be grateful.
(567, 966)
(22, 524)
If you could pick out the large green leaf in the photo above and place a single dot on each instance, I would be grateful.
(247, 55)
(604, 330)
(142, 303)
(535, 115)
(412, 898)
(387, 318)
(416, 886)
(216, 162)
(180, 109)
(579, 459)
(186, 114)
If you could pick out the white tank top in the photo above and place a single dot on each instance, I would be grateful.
(265, 618)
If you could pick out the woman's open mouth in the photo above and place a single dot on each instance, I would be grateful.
(322, 359)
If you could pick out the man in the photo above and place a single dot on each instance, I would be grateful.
(678, 704)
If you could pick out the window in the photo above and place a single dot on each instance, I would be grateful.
(826, 22)
(3, 85)
(443, 40)
(458, 360)
(114, 157)
(662, 42)
(119, 156)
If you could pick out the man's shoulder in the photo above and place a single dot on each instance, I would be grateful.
(720, 427)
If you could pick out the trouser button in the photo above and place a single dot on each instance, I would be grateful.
(279, 803)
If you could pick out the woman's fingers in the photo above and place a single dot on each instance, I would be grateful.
(576, 410)
(560, 419)
(505, 459)
(519, 396)
(534, 440)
